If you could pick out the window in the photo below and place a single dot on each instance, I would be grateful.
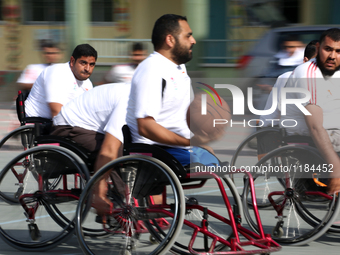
(44, 10)
(101, 10)
(54, 10)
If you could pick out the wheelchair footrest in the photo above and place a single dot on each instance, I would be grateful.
(34, 231)
(62, 196)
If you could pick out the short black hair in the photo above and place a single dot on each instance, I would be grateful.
(333, 33)
(291, 38)
(137, 46)
(167, 24)
(84, 50)
(48, 44)
(310, 50)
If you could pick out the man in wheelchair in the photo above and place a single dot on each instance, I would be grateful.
(161, 91)
(94, 120)
(60, 83)
(271, 141)
(320, 77)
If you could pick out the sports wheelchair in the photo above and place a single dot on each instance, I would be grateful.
(290, 183)
(53, 179)
(41, 185)
(20, 140)
(149, 189)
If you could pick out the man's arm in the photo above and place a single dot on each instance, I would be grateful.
(55, 108)
(150, 129)
(110, 150)
(25, 86)
(324, 145)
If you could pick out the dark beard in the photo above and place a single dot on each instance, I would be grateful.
(180, 55)
(323, 70)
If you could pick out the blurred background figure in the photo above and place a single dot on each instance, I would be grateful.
(124, 73)
(50, 54)
(290, 56)
(292, 52)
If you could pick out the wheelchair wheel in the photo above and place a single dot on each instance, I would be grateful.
(135, 183)
(299, 211)
(265, 183)
(11, 145)
(247, 153)
(44, 215)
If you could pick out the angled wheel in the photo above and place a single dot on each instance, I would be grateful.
(251, 149)
(300, 210)
(135, 183)
(45, 213)
(11, 145)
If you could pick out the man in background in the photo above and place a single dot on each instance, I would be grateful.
(291, 53)
(124, 73)
(50, 53)
(320, 77)
(309, 53)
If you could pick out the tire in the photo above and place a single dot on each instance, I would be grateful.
(246, 154)
(129, 225)
(54, 181)
(306, 215)
(11, 145)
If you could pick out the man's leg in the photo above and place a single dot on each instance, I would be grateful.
(88, 139)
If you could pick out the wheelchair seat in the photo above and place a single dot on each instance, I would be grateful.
(270, 138)
(182, 172)
(20, 107)
(88, 157)
(153, 151)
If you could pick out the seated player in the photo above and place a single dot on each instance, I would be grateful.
(160, 93)
(60, 83)
(321, 77)
(271, 141)
(94, 120)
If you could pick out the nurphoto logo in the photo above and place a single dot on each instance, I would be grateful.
(239, 103)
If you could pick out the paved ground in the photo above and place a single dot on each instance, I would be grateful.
(8, 118)
(329, 243)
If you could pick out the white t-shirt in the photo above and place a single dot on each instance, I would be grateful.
(31, 73)
(169, 106)
(293, 60)
(121, 73)
(325, 92)
(280, 83)
(56, 84)
(103, 109)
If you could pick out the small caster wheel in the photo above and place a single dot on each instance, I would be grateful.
(34, 232)
(277, 232)
(153, 240)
